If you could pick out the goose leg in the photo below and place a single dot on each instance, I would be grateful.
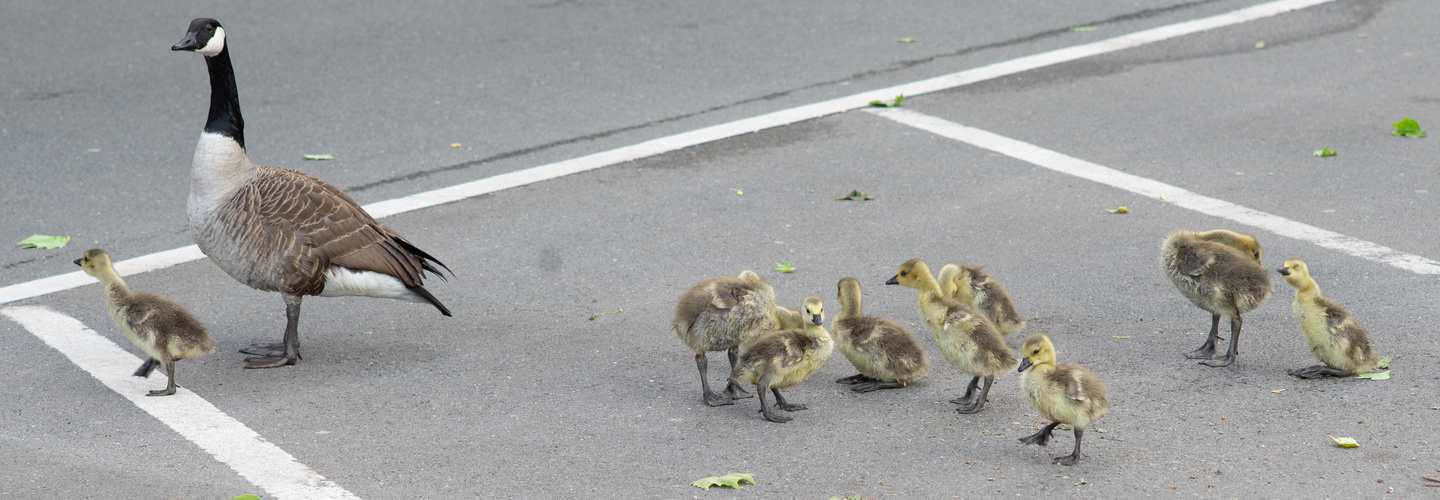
(875, 385)
(1074, 457)
(169, 388)
(147, 367)
(711, 398)
(1234, 347)
(1318, 371)
(854, 379)
(289, 351)
(733, 389)
(979, 402)
(1207, 350)
(765, 407)
(1041, 438)
(969, 393)
(782, 404)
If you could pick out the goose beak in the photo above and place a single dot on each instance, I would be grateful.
(1024, 363)
(817, 319)
(188, 43)
(77, 262)
(895, 280)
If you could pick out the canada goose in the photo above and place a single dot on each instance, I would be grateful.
(884, 351)
(1334, 336)
(1220, 272)
(983, 293)
(162, 329)
(721, 314)
(969, 341)
(782, 358)
(1066, 393)
(276, 229)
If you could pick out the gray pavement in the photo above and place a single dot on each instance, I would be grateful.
(522, 395)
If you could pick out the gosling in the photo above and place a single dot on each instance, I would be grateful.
(969, 341)
(884, 352)
(721, 314)
(160, 328)
(1220, 272)
(983, 293)
(1334, 336)
(1066, 393)
(780, 359)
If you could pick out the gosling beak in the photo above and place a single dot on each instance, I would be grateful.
(1284, 271)
(77, 262)
(1024, 363)
(895, 280)
(817, 319)
(188, 43)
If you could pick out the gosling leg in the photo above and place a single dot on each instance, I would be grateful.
(733, 389)
(1042, 437)
(854, 379)
(169, 388)
(711, 399)
(765, 407)
(875, 385)
(780, 402)
(969, 393)
(979, 402)
(1074, 457)
(1318, 371)
(1207, 350)
(147, 367)
(1234, 347)
(289, 350)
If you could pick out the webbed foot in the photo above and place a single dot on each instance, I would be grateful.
(854, 379)
(876, 385)
(271, 361)
(712, 399)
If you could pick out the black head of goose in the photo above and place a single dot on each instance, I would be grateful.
(277, 229)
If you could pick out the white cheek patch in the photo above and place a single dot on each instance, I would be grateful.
(215, 45)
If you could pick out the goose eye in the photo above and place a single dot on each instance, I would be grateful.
(904, 273)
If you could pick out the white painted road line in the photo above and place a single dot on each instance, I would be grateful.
(1161, 191)
(229, 441)
(44, 286)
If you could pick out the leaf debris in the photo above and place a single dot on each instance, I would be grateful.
(1345, 442)
(44, 242)
(895, 103)
(1385, 375)
(1408, 127)
(1323, 152)
(855, 195)
(593, 316)
(320, 157)
(906, 40)
(1121, 210)
(728, 481)
(785, 267)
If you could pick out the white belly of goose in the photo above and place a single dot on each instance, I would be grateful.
(346, 282)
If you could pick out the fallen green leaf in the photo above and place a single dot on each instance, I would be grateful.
(1121, 210)
(855, 195)
(1345, 442)
(1084, 28)
(1323, 152)
(784, 267)
(43, 241)
(1121, 336)
(892, 104)
(1385, 375)
(1384, 363)
(728, 481)
(319, 157)
(1408, 127)
(1259, 45)
(905, 40)
(1102, 431)
(593, 316)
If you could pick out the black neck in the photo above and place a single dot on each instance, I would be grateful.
(224, 99)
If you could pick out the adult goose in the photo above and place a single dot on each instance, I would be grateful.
(279, 230)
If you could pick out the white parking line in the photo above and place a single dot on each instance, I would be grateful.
(653, 147)
(1161, 191)
(229, 441)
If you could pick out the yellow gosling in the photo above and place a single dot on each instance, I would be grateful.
(884, 352)
(160, 328)
(1220, 272)
(1335, 338)
(783, 358)
(1064, 393)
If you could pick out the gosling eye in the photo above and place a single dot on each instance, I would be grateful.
(1257, 255)
(904, 273)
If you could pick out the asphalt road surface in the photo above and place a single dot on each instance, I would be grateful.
(522, 394)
